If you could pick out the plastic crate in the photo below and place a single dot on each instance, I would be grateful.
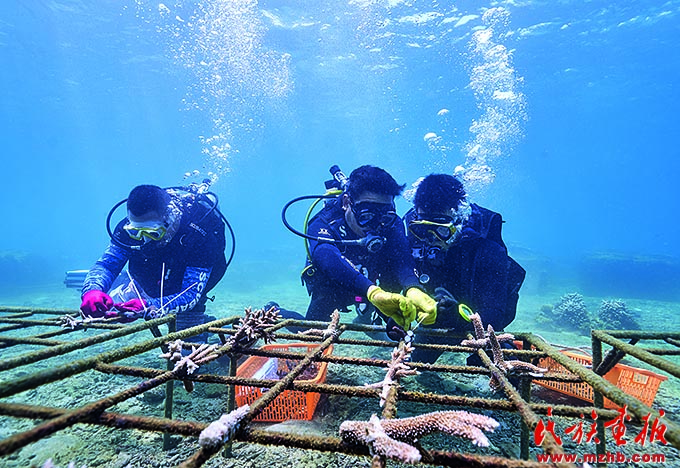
(639, 383)
(290, 404)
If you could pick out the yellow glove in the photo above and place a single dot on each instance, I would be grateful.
(425, 305)
(396, 306)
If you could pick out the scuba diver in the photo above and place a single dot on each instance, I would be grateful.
(460, 259)
(173, 241)
(357, 253)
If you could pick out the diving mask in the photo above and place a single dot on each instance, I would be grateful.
(373, 215)
(438, 229)
(155, 232)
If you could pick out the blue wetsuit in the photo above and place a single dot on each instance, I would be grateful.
(193, 262)
(339, 275)
(477, 271)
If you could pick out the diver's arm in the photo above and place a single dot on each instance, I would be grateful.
(193, 285)
(328, 259)
(401, 259)
(102, 275)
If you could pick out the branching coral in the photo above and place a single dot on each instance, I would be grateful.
(396, 369)
(332, 328)
(481, 337)
(391, 437)
(69, 321)
(186, 365)
(253, 326)
(73, 322)
(509, 367)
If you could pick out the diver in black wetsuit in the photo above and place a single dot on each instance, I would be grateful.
(460, 258)
(358, 255)
(174, 245)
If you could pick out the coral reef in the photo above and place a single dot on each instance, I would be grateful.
(220, 431)
(391, 437)
(571, 312)
(396, 369)
(615, 315)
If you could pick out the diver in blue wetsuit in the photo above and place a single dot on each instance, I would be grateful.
(174, 244)
(358, 254)
(460, 258)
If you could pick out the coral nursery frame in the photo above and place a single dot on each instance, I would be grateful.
(17, 324)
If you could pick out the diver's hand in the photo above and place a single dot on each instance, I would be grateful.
(446, 303)
(123, 316)
(96, 303)
(425, 306)
(127, 311)
(395, 306)
(133, 305)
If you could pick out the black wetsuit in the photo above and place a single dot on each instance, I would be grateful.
(339, 275)
(477, 271)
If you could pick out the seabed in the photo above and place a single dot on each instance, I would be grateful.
(99, 394)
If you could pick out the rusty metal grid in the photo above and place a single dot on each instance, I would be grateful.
(56, 343)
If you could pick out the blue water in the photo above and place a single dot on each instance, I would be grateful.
(578, 101)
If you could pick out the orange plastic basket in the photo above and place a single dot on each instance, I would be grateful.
(639, 383)
(290, 404)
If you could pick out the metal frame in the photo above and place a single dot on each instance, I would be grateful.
(518, 401)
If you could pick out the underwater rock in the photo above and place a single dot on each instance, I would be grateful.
(571, 312)
(615, 315)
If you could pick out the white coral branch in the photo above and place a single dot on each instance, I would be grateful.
(190, 363)
(396, 369)
(222, 430)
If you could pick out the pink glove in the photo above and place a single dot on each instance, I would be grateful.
(133, 305)
(126, 310)
(95, 303)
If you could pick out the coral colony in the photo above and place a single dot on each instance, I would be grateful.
(332, 328)
(396, 369)
(513, 367)
(186, 365)
(489, 338)
(253, 326)
(482, 339)
(615, 315)
(571, 311)
(389, 437)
